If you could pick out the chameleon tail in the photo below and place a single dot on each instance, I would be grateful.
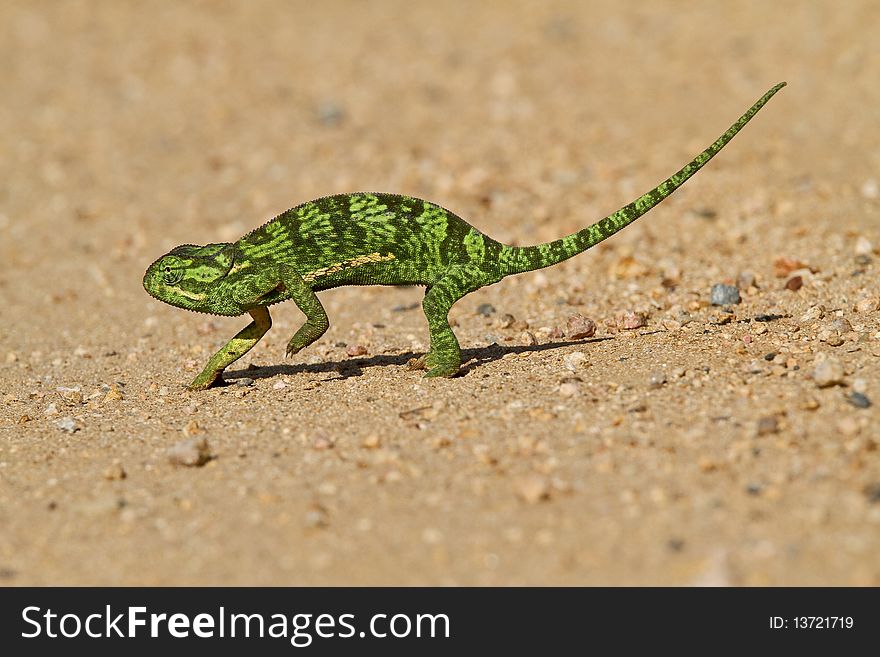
(515, 260)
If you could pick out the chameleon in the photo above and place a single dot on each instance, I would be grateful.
(371, 239)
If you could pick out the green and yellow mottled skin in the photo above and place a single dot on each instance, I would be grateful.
(370, 239)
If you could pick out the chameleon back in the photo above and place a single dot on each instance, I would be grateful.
(364, 239)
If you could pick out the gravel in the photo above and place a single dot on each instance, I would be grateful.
(725, 295)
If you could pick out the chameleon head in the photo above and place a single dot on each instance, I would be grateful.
(190, 277)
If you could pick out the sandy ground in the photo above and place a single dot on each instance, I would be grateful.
(696, 449)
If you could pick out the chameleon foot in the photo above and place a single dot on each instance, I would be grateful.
(205, 380)
(438, 366)
(444, 369)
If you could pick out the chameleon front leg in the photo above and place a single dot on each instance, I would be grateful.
(307, 301)
(237, 347)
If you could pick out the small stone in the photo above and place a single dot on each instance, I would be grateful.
(193, 452)
(810, 404)
(769, 424)
(575, 360)
(656, 379)
(794, 283)
(828, 373)
(244, 382)
(745, 280)
(848, 427)
(841, 325)
(813, 314)
(356, 350)
(528, 338)
(67, 424)
(191, 429)
(115, 473)
(11, 357)
(630, 320)
(533, 488)
(858, 399)
(485, 309)
(371, 442)
(322, 441)
(316, 518)
(279, 385)
(863, 246)
(872, 492)
(505, 321)
(783, 266)
(71, 396)
(725, 295)
(770, 356)
(331, 113)
(113, 394)
(568, 389)
(578, 327)
(868, 304)
(51, 409)
(870, 189)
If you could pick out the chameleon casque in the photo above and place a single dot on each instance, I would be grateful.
(370, 239)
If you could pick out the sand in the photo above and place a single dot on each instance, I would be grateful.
(695, 447)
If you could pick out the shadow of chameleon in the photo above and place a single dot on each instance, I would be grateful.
(472, 359)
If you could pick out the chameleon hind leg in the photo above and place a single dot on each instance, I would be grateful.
(444, 356)
(237, 347)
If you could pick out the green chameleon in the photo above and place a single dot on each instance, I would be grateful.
(370, 239)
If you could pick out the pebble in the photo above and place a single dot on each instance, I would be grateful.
(794, 283)
(575, 360)
(656, 379)
(578, 327)
(863, 246)
(51, 409)
(485, 309)
(113, 394)
(244, 382)
(505, 321)
(630, 320)
(870, 189)
(813, 314)
(371, 442)
(331, 113)
(848, 426)
(858, 399)
(568, 389)
(828, 373)
(533, 488)
(322, 441)
(867, 305)
(115, 473)
(528, 338)
(745, 280)
(193, 452)
(769, 424)
(725, 295)
(316, 518)
(783, 266)
(356, 350)
(279, 385)
(67, 424)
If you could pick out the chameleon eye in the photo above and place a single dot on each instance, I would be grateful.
(171, 275)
